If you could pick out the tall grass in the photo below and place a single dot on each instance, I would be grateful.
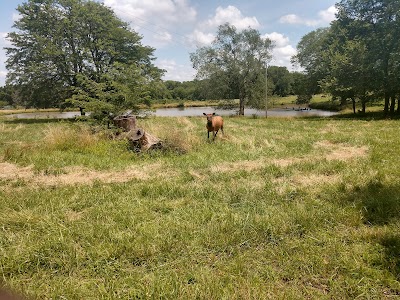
(274, 209)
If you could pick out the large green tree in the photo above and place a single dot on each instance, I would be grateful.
(57, 43)
(235, 65)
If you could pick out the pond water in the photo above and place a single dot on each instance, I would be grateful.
(45, 115)
(276, 112)
(189, 112)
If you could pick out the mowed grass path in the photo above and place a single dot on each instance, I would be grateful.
(275, 209)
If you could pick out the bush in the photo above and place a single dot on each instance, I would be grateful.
(303, 99)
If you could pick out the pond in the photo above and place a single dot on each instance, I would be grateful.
(276, 112)
(190, 112)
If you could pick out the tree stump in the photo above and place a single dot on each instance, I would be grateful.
(140, 140)
(127, 123)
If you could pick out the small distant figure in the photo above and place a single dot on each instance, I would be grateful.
(214, 124)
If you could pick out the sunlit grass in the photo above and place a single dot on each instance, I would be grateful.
(274, 209)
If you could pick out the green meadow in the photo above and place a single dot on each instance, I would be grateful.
(274, 209)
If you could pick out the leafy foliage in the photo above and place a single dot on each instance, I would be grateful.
(234, 64)
(357, 57)
(76, 49)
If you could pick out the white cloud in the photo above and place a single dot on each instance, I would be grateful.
(328, 15)
(324, 18)
(3, 43)
(200, 38)
(283, 51)
(232, 15)
(178, 72)
(204, 33)
(279, 39)
(154, 16)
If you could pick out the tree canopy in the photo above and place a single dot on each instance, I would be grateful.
(235, 65)
(358, 56)
(61, 45)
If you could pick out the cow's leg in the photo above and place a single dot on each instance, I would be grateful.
(215, 134)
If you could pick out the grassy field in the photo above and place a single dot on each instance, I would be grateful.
(275, 209)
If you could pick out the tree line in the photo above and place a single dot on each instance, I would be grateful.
(78, 53)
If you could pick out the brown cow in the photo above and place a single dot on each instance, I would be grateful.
(214, 123)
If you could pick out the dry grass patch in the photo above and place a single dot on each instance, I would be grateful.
(10, 171)
(63, 138)
(72, 215)
(341, 151)
(285, 162)
(315, 179)
(330, 128)
(286, 184)
(85, 176)
(5, 129)
(246, 165)
(178, 136)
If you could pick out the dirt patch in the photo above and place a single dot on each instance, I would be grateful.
(79, 175)
(341, 151)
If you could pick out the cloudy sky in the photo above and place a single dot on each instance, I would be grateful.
(176, 28)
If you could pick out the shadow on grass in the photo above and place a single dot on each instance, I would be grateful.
(392, 255)
(380, 204)
(368, 116)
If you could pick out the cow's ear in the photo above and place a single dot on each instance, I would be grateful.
(213, 114)
(204, 114)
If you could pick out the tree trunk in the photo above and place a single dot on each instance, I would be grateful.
(398, 105)
(81, 109)
(386, 109)
(392, 104)
(363, 104)
(353, 100)
(241, 107)
(127, 123)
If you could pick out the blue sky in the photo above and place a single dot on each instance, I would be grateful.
(176, 27)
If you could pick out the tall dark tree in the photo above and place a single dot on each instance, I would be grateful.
(235, 65)
(59, 42)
